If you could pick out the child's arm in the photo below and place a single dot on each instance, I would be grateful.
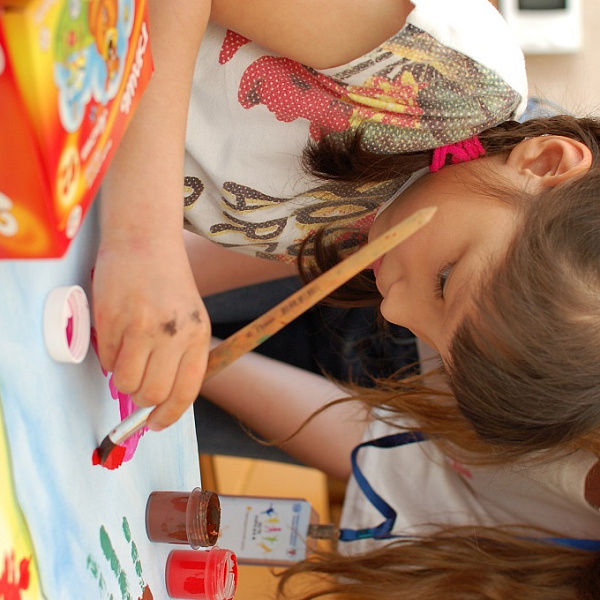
(153, 331)
(316, 33)
(275, 398)
(220, 269)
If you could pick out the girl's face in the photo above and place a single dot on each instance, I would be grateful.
(428, 281)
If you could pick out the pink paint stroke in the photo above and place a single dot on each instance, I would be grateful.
(126, 406)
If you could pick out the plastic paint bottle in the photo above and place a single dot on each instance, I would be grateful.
(264, 530)
(184, 517)
(201, 574)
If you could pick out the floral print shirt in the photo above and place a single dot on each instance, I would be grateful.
(439, 80)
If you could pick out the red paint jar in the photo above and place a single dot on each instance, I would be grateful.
(184, 517)
(201, 574)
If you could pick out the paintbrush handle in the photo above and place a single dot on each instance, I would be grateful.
(130, 424)
(255, 333)
(259, 330)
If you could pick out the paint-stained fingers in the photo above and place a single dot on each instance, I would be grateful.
(164, 369)
(185, 390)
(147, 365)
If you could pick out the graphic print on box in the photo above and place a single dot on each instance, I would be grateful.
(71, 74)
(90, 43)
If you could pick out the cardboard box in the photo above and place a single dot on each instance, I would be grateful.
(71, 75)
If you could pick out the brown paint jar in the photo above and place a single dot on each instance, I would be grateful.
(184, 517)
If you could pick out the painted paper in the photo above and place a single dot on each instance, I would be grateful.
(19, 578)
(81, 528)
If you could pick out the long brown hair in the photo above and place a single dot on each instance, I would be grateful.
(524, 368)
(463, 563)
(523, 376)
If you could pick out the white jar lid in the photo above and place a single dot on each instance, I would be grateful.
(67, 324)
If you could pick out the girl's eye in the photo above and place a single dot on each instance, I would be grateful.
(441, 279)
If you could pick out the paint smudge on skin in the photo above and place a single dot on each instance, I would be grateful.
(126, 406)
(11, 582)
(170, 328)
(460, 469)
(114, 459)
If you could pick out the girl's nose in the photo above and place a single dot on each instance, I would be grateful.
(402, 310)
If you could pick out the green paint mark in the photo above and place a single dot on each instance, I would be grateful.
(135, 555)
(109, 551)
(94, 569)
(111, 557)
(92, 566)
(126, 529)
(115, 565)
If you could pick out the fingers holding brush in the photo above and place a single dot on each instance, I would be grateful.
(190, 367)
(163, 365)
(188, 376)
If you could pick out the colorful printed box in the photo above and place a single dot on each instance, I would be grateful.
(71, 74)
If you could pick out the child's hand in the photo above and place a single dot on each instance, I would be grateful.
(153, 330)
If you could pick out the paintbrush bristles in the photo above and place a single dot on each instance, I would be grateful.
(108, 454)
(104, 449)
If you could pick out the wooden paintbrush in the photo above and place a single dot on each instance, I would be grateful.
(110, 452)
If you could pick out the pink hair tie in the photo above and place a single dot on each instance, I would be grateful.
(460, 152)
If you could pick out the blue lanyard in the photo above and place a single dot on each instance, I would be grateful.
(383, 531)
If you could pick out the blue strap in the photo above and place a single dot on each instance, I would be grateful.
(592, 545)
(384, 529)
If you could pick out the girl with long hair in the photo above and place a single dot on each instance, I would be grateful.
(422, 518)
(383, 79)
(521, 362)
(393, 105)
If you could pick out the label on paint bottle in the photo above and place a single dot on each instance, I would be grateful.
(267, 531)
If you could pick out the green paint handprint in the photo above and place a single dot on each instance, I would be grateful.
(116, 568)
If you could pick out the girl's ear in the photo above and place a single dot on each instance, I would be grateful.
(550, 159)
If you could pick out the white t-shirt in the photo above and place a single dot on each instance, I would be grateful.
(427, 489)
(451, 72)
